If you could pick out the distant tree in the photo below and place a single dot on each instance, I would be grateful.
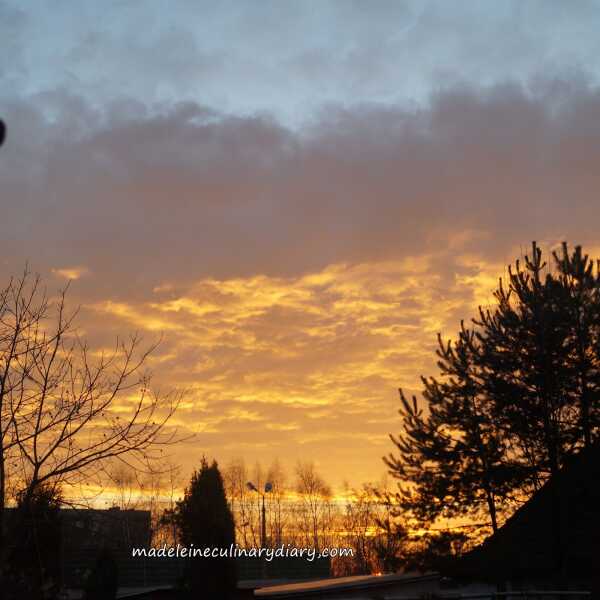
(246, 504)
(392, 538)
(370, 526)
(204, 520)
(358, 522)
(277, 517)
(127, 488)
(160, 487)
(242, 503)
(315, 510)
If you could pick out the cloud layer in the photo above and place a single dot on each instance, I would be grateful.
(298, 278)
(296, 197)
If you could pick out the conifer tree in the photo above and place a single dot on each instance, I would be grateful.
(526, 363)
(455, 457)
(516, 395)
(580, 279)
(204, 520)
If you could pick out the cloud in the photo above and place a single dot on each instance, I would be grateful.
(70, 273)
(298, 277)
(188, 192)
(309, 362)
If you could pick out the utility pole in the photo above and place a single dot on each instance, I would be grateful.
(263, 541)
(263, 522)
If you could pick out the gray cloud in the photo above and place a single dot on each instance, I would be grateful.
(190, 192)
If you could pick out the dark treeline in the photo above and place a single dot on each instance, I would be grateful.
(301, 510)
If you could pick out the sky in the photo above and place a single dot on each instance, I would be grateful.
(296, 196)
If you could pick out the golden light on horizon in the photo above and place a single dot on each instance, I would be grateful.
(304, 366)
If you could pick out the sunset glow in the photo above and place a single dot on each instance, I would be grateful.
(296, 205)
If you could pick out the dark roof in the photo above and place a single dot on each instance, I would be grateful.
(556, 532)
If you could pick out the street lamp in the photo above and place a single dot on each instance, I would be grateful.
(263, 527)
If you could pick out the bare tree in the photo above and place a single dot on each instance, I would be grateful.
(358, 526)
(278, 509)
(235, 476)
(58, 422)
(315, 503)
(159, 492)
(127, 487)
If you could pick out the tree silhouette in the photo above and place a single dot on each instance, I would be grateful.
(527, 366)
(517, 394)
(204, 520)
(579, 277)
(57, 423)
(455, 457)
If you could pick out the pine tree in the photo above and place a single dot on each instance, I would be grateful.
(455, 458)
(580, 278)
(526, 364)
(516, 396)
(204, 520)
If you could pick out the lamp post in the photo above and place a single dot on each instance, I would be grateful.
(263, 521)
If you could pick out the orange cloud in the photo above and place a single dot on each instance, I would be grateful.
(71, 273)
(307, 365)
